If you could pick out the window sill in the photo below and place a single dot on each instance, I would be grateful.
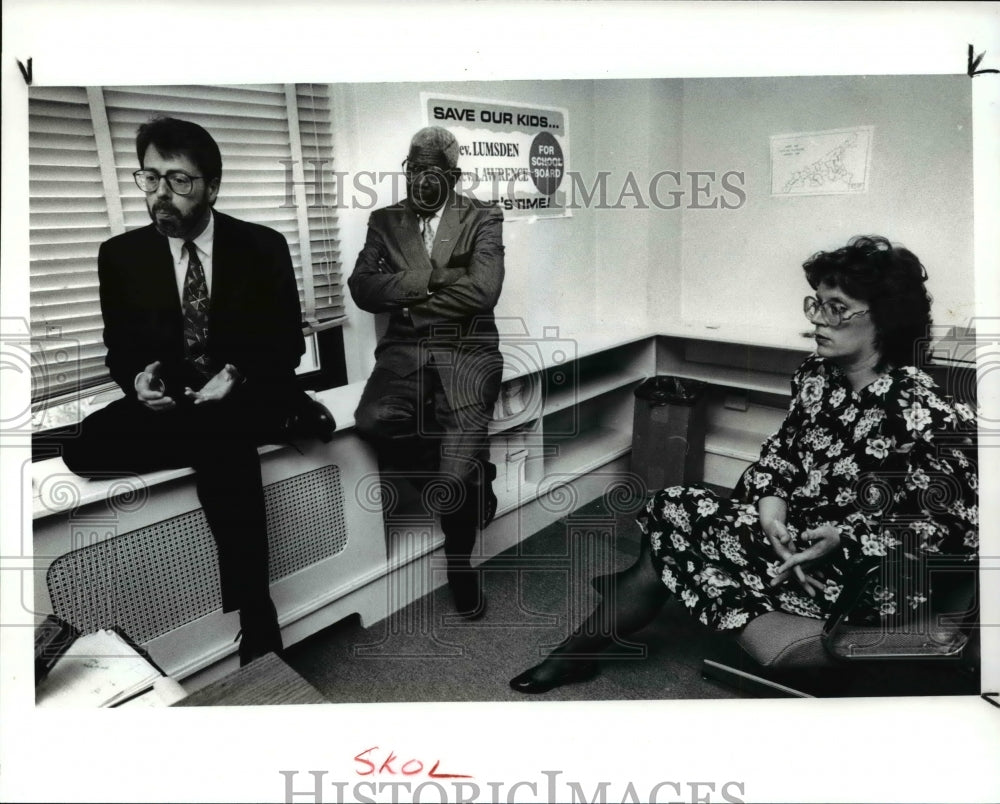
(320, 326)
(70, 412)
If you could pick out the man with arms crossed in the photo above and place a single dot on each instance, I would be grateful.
(435, 264)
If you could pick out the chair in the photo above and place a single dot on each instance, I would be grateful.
(786, 649)
(782, 646)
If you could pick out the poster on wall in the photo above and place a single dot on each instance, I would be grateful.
(515, 155)
(834, 162)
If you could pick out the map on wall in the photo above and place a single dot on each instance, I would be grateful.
(832, 162)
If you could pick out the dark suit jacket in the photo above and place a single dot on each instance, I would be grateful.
(440, 307)
(255, 320)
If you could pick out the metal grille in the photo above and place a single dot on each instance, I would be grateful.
(157, 578)
(305, 517)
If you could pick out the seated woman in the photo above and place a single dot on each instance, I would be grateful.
(864, 465)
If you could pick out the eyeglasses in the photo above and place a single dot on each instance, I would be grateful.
(412, 169)
(179, 182)
(830, 313)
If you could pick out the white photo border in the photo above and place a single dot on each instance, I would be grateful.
(847, 750)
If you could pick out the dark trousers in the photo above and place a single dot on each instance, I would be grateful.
(219, 440)
(415, 430)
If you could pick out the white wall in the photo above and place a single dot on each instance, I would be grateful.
(745, 264)
(602, 268)
(637, 131)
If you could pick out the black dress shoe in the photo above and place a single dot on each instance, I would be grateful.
(467, 594)
(308, 418)
(530, 682)
(473, 614)
(259, 634)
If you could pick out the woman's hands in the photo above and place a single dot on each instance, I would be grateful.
(773, 511)
(781, 541)
(825, 539)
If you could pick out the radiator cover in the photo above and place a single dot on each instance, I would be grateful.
(154, 579)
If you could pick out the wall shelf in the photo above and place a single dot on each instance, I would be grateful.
(586, 451)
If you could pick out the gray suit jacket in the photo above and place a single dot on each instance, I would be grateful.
(440, 307)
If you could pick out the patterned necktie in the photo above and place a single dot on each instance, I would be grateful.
(195, 309)
(427, 226)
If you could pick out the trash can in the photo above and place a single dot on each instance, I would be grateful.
(668, 432)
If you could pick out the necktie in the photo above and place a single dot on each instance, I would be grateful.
(195, 308)
(427, 225)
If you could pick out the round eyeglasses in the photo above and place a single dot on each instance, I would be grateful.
(830, 313)
(412, 169)
(179, 182)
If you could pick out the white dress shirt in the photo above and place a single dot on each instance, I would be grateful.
(203, 245)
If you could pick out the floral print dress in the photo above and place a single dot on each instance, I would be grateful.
(883, 465)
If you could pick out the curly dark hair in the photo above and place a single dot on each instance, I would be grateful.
(172, 136)
(891, 280)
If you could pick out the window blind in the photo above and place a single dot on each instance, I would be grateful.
(317, 154)
(69, 205)
(68, 221)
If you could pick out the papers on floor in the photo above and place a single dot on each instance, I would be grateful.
(99, 669)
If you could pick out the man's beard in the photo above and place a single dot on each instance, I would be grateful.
(177, 224)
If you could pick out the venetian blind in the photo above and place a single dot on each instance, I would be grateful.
(313, 102)
(68, 222)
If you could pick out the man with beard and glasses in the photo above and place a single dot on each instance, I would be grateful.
(203, 330)
(435, 264)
